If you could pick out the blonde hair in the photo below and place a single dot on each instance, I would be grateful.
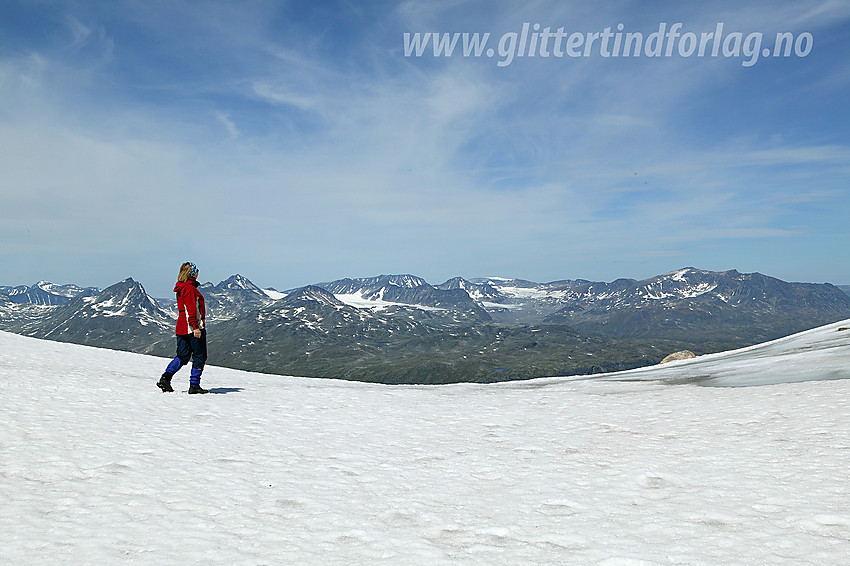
(185, 270)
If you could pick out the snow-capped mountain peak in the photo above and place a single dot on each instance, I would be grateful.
(235, 295)
(310, 293)
(239, 282)
(122, 315)
(405, 281)
(126, 298)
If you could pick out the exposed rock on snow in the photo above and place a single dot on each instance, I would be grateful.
(675, 356)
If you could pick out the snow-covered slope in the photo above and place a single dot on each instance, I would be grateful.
(274, 294)
(818, 354)
(98, 467)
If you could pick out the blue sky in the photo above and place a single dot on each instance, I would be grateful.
(293, 142)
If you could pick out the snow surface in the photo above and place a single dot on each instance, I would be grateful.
(817, 354)
(98, 467)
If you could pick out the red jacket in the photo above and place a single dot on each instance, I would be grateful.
(190, 304)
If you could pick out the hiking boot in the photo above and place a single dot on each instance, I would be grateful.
(164, 383)
(196, 389)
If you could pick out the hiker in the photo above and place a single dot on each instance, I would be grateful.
(191, 331)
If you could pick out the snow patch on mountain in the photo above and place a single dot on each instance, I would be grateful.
(497, 306)
(69, 291)
(274, 294)
(362, 301)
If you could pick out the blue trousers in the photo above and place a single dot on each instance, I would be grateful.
(189, 347)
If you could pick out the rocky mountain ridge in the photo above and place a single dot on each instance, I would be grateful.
(45, 293)
(401, 329)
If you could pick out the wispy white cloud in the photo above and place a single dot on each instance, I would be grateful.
(80, 33)
(280, 94)
(228, 124)
(817, 154)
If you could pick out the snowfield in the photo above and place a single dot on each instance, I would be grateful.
(97, 466)
(814, 355)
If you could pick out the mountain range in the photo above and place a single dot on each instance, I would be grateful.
(46, 293)
(401, 329)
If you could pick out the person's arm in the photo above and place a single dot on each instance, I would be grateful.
(191, 313)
